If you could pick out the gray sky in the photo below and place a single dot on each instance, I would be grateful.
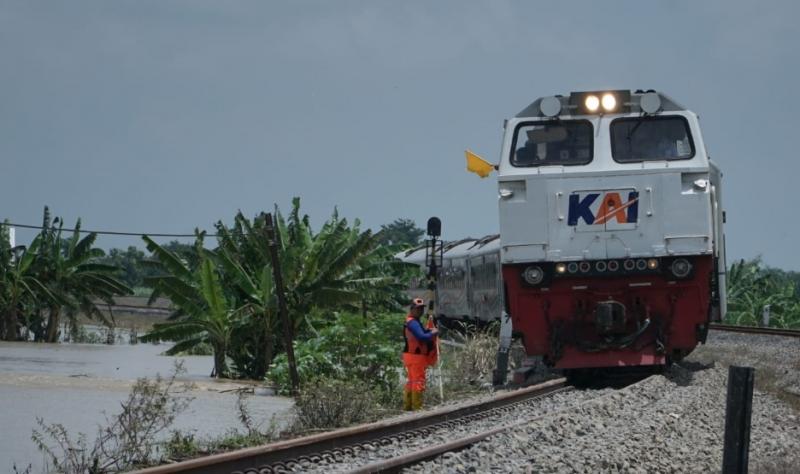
(163, 116)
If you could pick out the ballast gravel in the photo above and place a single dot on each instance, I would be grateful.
(773, 357)
(361, 456)
(670, 424)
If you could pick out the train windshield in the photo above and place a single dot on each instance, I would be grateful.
(562, 142)
(651, 139)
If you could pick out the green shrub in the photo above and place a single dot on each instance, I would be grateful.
(349, 347)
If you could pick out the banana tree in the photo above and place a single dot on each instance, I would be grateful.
(69, 270)
(19, 286)
(752, 287)
(204, 315)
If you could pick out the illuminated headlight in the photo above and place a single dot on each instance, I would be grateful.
(533, 275)
(681, 268)
(652, 264)
(609, 102)
(561, 268)
(592, 103)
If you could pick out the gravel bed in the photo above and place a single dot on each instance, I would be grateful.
(671, 424)
(775, 358)
(523, 411)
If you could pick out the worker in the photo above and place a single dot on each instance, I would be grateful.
(418, 354)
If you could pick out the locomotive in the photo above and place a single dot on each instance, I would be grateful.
(611, 247)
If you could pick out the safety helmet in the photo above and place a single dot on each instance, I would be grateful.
(417, 302)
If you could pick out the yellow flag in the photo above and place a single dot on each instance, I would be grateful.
(478, 165)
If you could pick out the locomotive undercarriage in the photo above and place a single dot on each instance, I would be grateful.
(609, 327)
(619, 322)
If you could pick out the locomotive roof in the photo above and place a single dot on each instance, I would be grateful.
(667, 103)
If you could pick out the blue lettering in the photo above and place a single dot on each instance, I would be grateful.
(633, 208)
(581, 208)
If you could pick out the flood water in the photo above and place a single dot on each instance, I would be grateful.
(75, 384)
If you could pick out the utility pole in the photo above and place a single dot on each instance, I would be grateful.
(273, 241)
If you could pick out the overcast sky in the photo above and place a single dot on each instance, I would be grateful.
(163, 116)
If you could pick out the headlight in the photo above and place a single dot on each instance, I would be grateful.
(533, 275)
(681, 268)
(613, 265)
(629, 265)
(561, 268)
(652, 263)
(572, 267)
(592, 103)
(609, 102)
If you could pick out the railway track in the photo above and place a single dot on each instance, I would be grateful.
(398, 463)
(286, 455)
(296, 454)
(756, 330)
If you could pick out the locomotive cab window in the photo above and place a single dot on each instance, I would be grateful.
(651, 139)
(562, 142)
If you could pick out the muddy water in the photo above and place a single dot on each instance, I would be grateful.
(77, 384)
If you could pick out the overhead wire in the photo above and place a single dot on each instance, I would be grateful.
(105, 232)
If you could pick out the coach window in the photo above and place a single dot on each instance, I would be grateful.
(562, 142)
(661, 138)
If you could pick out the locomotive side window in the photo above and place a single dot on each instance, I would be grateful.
(651, 139)
(562, 142)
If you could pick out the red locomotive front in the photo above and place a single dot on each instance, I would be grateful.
(610, 222)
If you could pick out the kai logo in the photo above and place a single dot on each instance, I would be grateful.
(604, 207)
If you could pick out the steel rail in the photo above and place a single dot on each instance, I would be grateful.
(254, 459)
(406, 460)
(755, 330)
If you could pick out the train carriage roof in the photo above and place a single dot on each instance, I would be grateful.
(486, 245)
(458, 249)
(464, 248)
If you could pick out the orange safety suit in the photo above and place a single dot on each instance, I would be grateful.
(417, 357)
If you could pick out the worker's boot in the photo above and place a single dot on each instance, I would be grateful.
(416, 400)
(407, 402)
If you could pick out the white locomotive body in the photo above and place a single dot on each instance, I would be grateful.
(611, 228)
